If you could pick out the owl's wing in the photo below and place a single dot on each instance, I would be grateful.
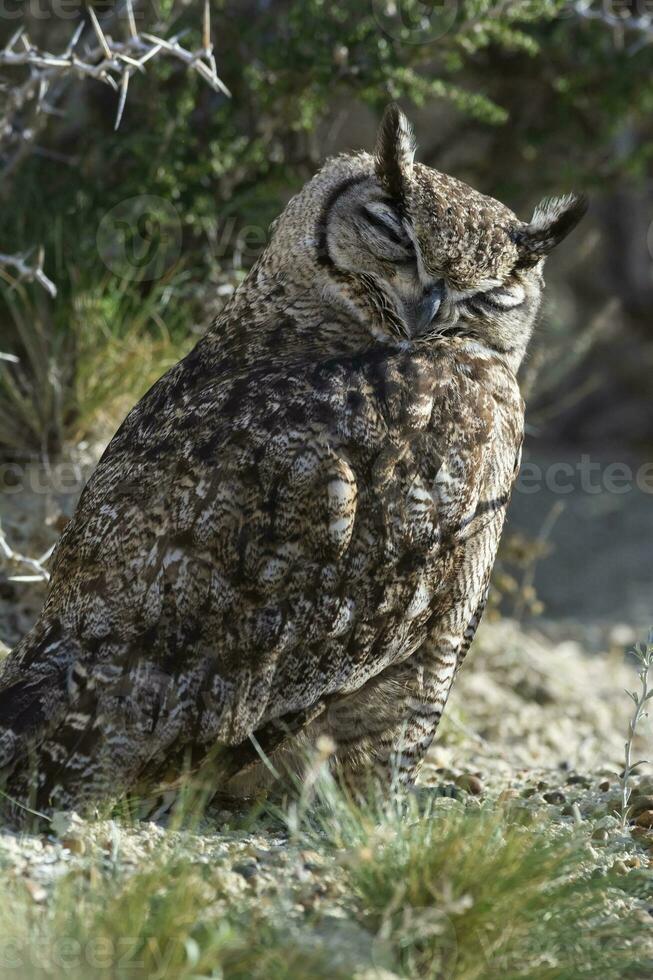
(284, 537)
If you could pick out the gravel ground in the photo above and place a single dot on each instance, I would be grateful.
(537, 724)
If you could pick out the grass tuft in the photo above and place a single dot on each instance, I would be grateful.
(76, 377)
(432, 889)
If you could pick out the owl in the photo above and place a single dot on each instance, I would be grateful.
(291, 535)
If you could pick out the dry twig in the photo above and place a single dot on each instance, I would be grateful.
(644, 654)
(38, 572)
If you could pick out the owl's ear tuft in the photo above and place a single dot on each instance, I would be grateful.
(553, 219)
(395, 151)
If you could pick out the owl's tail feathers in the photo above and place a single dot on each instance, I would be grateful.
(36, 686)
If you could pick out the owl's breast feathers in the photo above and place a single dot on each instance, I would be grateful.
(254, 541)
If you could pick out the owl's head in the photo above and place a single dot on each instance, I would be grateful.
(420, 254)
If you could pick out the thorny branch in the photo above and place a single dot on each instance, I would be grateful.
(26, 272)
(112, 62)
(36, 565)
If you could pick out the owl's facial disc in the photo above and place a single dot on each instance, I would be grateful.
(415, 254)
(367, 237)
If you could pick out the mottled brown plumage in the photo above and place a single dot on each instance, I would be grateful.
(292, 533)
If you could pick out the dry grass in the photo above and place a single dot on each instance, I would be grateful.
(77, 379)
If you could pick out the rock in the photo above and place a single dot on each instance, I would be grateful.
(604, 786)
(620, 868)
(578, 780)
(67, 823)
(74, 844)
(37, 892)
(633, 862)
(248, 870)
(471, 784)
(508, 794)
(600, 834)
(638, 804)
(572, 810)
(644, 836)
(644, 819)
(555, 796)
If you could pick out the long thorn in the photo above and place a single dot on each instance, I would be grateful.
(100, 34)
(72, 44)
(14, 38)
(132, 21)
(206, 33)
(124, 85)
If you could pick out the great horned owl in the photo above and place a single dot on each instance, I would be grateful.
(293, 531)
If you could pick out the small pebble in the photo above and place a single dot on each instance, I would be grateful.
(638, 804)
(471, 784)
(644, 836)
(600, 834)
(555, 796)
(247, 871)
(644, 819)
(604, 786)
(37, 892)
(508, 794)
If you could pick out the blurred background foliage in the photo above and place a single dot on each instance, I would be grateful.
(522, 99)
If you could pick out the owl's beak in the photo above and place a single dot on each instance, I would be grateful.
(426, 308)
